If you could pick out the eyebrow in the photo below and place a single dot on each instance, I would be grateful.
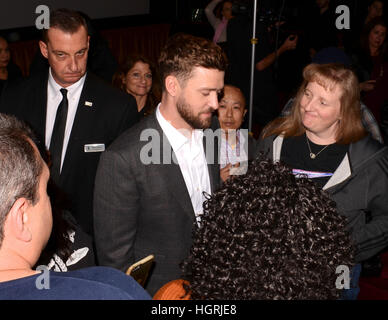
(60, 51)
(137, 70)
(231, 101)
(210, 89)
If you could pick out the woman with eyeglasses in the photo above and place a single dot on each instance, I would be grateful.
(136, 76)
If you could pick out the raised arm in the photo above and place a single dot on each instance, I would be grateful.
(289, 44)
(213, 20)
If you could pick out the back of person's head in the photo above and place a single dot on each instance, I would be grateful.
(331, 55)
(20, 167)
(268, 235)
(183, 52)
(66, 20)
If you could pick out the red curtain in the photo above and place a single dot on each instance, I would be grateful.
(146, 40)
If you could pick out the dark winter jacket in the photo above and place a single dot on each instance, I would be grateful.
(359, 186)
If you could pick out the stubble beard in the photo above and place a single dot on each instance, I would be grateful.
(185, 111)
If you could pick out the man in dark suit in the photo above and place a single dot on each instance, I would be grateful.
(152, 181)
(74, 113)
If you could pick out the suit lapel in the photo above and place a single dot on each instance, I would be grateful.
(172, 173)
(212, 159)
(83, 123)
(213, 134)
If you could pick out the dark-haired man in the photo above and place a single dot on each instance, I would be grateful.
(72, 111)
(146, 203)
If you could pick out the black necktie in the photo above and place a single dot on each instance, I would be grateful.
(56, 144)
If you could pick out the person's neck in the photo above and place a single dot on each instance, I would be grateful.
(373, 51)
(3, 73)
(169, 111)
(231, 135)
(14, 266)
(140, 101)
(321, 139)
(367, 19)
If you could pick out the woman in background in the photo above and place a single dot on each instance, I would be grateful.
(371, 65)
(323, 138)
(375, 9)
(237, 146)
(219, 24)
(8, 70)
(137, 77)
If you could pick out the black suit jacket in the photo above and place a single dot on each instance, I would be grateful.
(142, 209)
(109, 115)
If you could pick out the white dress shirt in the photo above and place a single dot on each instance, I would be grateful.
(54, 98)
(192, 162)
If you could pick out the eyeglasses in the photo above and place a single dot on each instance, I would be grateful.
(138, 76)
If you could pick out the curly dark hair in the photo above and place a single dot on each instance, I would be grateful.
(268, 235)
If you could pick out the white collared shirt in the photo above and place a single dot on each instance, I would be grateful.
(54, 98)
(192, 162)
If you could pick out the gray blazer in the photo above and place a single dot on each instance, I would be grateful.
(143, 209)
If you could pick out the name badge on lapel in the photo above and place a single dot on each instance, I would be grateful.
(96, 147)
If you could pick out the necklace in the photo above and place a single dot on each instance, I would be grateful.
(312, 154)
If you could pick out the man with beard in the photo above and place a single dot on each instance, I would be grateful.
(151, 182)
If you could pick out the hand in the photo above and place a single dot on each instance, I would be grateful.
(234, 169)
(367, 85)
(225, 172)
(289, 44)
(276, 25)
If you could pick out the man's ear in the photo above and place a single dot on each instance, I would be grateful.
(245, 112)
(43, 48)
(172, 85)
(18, 222)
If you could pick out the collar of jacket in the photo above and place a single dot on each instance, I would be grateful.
(359, 155)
